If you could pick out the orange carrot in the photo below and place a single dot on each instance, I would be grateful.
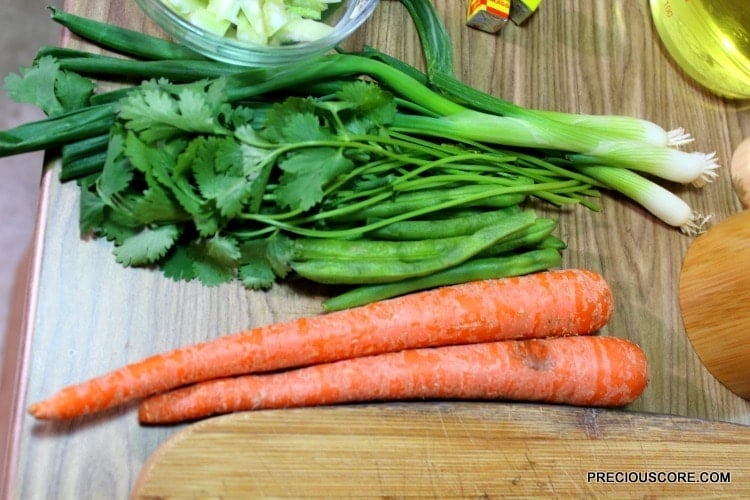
(585, 371)
(553, 303)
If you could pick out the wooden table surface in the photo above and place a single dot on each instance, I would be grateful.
(86, 314)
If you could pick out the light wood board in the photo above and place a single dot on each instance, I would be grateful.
(448, 450)
(714, 295)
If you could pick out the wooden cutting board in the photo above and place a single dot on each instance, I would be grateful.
(448, 450)
(714, 298)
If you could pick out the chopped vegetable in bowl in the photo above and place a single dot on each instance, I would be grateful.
(259, 32)
(258, 22)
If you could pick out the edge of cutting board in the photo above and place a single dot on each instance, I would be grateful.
(453, 449)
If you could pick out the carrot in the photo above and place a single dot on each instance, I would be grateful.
(584, 371)
(552, 303)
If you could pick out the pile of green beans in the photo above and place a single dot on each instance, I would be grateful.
(418, 254)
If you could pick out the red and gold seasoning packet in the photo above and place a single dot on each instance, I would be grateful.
(488, 15)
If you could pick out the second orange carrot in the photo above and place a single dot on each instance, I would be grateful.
(584, 371)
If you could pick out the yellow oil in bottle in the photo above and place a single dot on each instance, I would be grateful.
(710, 40)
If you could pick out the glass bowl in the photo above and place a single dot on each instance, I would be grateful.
(345, 17)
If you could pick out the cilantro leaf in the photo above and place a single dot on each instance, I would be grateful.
(276, 119)
(221, 170)
(255, 271)
(140, 155)
(280, 252)
(369, 100)
(91, 210)
(48, 87)
(223, 249)
(306, 174)
(117, 172)
(147, 246)
(156, 202)
(215, 260)
(228, 156)
(178, 265)
(36, 85)
(369, 107)
(156, 113)
(117, 225)
(206, 222)
(303, 127)
(264, 260)
(73, 90)
(155, 205)
(211, 273)
(257, 276)
(235, 117)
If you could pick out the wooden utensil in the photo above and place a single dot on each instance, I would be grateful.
(448, 450)
(715, 300)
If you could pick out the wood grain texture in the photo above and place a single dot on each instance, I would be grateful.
(463, 450)
(87, 314)
(714, 291)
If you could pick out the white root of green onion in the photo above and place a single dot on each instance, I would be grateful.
(670, 164)
(659, 201)
(588, 148)
(626, 128)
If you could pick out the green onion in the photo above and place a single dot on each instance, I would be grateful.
(438, 55)
(619, 127)
(658, 200)
(436, 43)
(673, 165)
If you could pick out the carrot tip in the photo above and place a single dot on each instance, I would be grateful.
(35, 409)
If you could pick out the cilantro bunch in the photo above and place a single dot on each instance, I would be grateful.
(208, 189)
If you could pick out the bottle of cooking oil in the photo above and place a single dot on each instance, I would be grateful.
(710, 40)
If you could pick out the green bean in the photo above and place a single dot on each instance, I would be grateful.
(407, 250)
(58, 130)
(418, 229)
(528, 238)
(552, 242)
(128, 42)
(110, 96)
(61, 52)
(424, 199)
(471, 270)
(176, 70)
(86, 147)
(82, 167)
(341, 270)
(310, 249)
